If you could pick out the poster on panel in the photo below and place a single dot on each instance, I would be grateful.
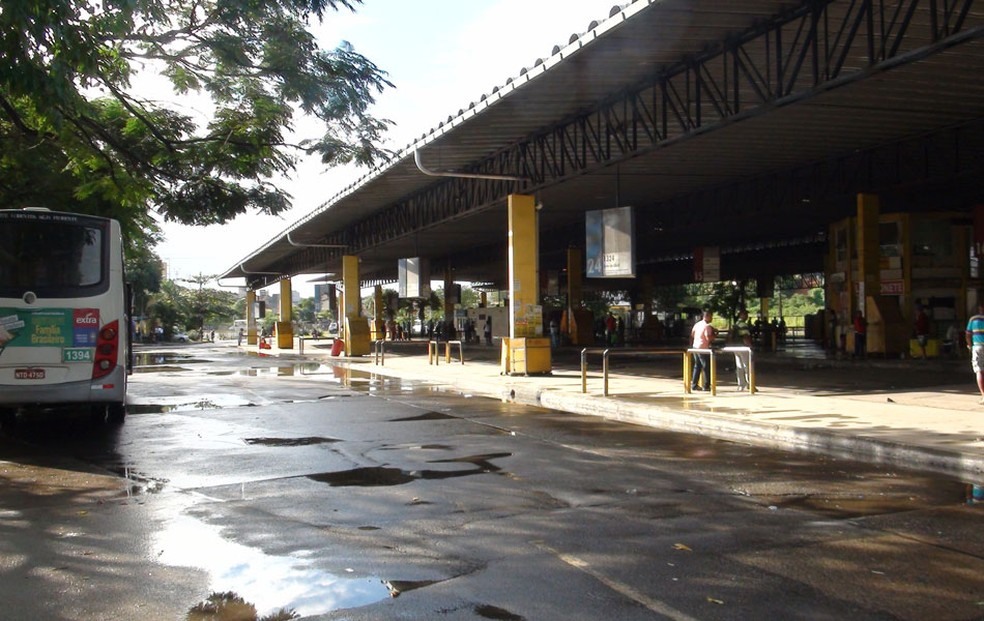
(609, 243)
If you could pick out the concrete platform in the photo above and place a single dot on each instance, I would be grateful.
(920, 414)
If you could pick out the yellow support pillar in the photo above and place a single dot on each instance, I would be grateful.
(529, 351)
(869, 270)
(285, 326)
(357, 341)
(577, 321)
(250, 318)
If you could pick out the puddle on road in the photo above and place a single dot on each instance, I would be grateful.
(289, 442)
(269, 582)
(494, 612)
(185, 403)
(157, 359)
(423, 417)
(382, 476)
(161, 369)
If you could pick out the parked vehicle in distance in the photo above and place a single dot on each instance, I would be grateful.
(333, 327)
(180, 337)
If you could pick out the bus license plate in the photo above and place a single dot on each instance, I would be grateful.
(29, 374)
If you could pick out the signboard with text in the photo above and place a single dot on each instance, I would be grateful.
(610, 243)
(74, 330)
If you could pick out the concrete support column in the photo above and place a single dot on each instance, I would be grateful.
(526, 352)
(285, 326)
(523, 256)
(449, 301)
(378, 330)
(869, 270)
(649, 330)
(251, 318)
(577, 322)
(357, 341)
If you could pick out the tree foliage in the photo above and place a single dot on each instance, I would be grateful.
(75, 108)
(145, 272)
(191, 307)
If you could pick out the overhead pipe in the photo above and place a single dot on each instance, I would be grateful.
(301, 245)
(460, 175)
(242, 268)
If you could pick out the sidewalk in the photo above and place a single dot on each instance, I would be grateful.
(912, 413)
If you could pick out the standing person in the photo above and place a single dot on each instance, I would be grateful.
(488, 330)
(860, 335)
(701, 337)
(742, 337)
(239, 339)
(610, 326)
(975, 343)
(922, 329)
(554, 332)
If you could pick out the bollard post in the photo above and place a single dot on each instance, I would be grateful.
(584, 370)
(687, 371)
(751, 372)
(604, 369)
(714, 379)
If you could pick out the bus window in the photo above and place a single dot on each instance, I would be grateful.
(50, 255)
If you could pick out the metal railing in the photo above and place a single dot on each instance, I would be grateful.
(738, 349)
(434, 356)
(379, 352)
(687, 364)
(607, 354)
(688, 367)
(302, 339)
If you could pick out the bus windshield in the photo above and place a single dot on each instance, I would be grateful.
(54, 255)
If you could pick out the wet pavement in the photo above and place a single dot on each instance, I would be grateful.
(340, 492)
(917, 413)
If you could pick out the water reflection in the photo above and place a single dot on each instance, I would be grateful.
(184, 403)
(272, 582)
(382, 476)
(231, 607)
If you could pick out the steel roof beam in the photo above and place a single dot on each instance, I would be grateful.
(797, 54)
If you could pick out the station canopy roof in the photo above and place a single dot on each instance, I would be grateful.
(708, 93)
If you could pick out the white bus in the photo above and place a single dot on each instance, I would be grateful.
(64, 315)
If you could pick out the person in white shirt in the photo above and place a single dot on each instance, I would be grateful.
(701, 337)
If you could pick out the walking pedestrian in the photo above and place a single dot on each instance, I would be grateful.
(975, 343)
(488, 330)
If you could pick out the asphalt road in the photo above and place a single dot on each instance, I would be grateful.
(340, 495)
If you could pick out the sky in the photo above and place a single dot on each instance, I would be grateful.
(440, 55)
